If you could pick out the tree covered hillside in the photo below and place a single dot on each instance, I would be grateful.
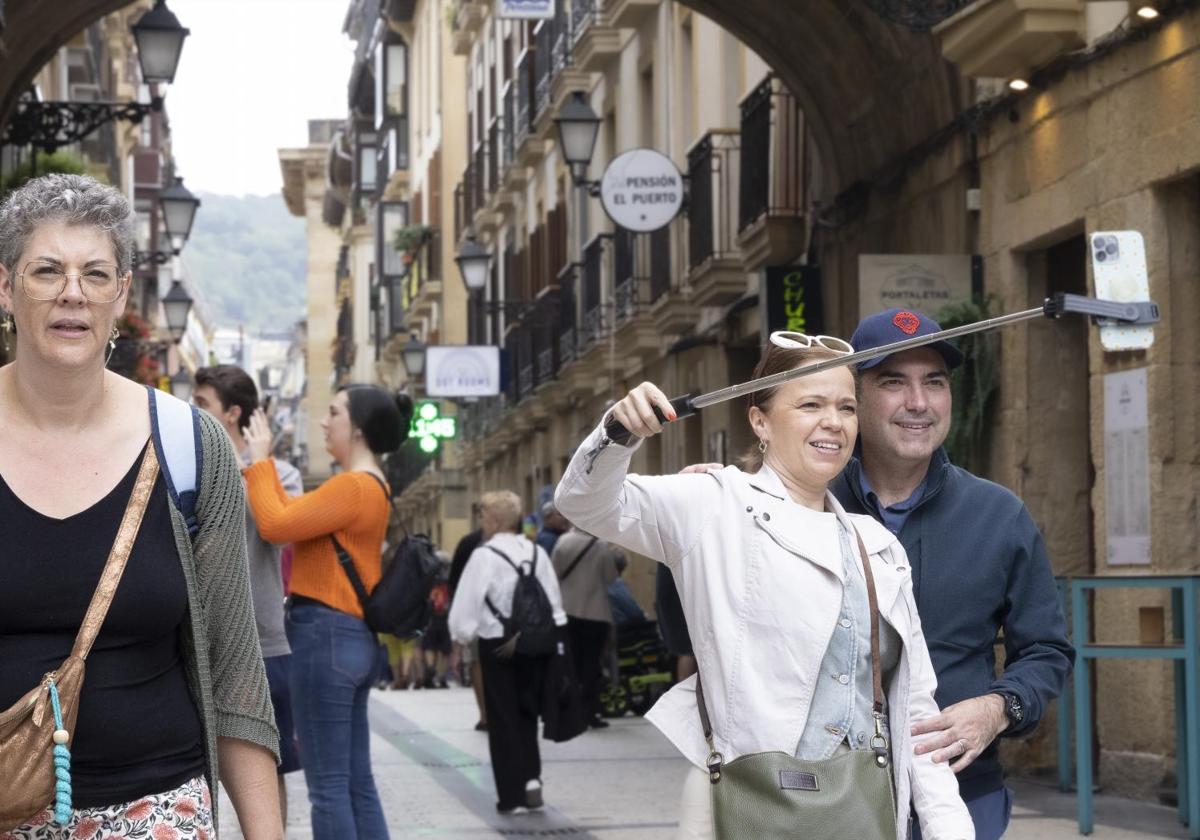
(247, 257)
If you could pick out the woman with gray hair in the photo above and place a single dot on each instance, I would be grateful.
(174, 687)
(484, 607)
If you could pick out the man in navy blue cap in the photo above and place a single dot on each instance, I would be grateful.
(978, 564)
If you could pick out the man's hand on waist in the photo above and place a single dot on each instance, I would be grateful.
(962, 731)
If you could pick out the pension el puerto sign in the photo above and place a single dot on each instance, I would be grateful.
(642, 190)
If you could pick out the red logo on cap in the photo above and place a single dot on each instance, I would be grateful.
(907, 322)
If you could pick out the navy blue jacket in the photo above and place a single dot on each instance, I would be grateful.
(979, 566)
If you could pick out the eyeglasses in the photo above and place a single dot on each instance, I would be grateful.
(800, 341)
(99, 282)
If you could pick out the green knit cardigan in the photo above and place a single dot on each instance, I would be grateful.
(221, 653)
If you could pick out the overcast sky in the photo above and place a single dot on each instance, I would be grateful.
(253, 73)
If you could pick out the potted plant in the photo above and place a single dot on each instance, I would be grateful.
(409, 239)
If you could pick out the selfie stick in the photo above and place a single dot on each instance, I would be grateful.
(1104, 312)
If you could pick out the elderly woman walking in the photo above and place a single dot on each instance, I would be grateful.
(812, 664)
(175, 694)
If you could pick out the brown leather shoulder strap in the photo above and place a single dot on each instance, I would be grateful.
(117, 557)
(876, 664)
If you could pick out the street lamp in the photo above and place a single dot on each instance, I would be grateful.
(179, 212)
(159, 43)
(413, 356)
(474, 263)
(181, 385)
(177, 303)
(578, 126)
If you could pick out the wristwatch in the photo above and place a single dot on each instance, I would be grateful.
(1014, 709)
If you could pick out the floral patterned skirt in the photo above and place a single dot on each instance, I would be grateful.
(184, 813)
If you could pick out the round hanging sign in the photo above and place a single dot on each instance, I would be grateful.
(642, 190)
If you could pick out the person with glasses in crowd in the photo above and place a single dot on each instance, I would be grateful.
(770, 575)
(175, 685)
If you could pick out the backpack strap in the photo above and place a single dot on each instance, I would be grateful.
(578, 557)
(347, 563)
(507, 559)
(175, 429)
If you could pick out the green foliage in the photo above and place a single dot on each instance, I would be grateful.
(410, 237)
(60, 162)
(248, 255)
(974, 386)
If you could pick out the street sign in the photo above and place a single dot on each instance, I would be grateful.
(642, 190)
(525, 9)
(462, 371)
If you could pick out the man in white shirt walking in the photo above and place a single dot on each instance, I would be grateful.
(511, 681)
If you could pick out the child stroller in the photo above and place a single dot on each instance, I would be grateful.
(645, 670)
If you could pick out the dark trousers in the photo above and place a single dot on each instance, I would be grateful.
(512, 691)
(587, 647)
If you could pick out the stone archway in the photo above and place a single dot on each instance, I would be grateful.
(871, 89)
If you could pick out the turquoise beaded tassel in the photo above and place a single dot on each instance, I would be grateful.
(62, 763)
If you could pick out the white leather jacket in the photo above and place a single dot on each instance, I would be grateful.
(760, 579)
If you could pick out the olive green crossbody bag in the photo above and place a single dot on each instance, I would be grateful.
(772, 795)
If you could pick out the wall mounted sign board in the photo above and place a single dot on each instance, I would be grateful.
(1126, 468)
(525, 9)
(642, 190)
(462, 371)
(926, 283)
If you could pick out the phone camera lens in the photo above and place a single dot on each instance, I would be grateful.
(1100, 256)
(1111, 248)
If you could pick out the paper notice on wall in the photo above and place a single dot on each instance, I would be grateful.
(1127, 468)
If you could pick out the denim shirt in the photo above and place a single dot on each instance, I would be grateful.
(842, 706)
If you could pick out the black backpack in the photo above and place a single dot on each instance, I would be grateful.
(399, 604)
(529, 629)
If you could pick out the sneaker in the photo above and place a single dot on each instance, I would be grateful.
(533, 795)
(511, 812)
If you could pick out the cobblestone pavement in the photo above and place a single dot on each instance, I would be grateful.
(621, 783)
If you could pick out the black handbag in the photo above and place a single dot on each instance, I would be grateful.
(773, 795)
(399, 604)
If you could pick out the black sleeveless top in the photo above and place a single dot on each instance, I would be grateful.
(139, 731)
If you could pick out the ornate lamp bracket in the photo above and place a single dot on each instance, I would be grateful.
(51, 125)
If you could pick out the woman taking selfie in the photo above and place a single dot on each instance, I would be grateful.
(812, 664)
(334, 654)
(175, 695)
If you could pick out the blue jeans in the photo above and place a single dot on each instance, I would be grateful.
(990, 813)
(334, 659)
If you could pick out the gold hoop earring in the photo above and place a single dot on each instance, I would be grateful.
(762, 447)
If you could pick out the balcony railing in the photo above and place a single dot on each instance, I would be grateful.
(552, 46)
(492, 156)
(525, 383)
(712, 209)
(593, 324)
(583, 15)
(773, 154)
(461, 218)
(507, 126)
(641, 271)
(567, 337)
(545, 364)
(526, 89)
(478, 177)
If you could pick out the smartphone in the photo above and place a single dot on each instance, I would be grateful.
(1119, 272)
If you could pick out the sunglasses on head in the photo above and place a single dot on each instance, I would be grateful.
(800, 341)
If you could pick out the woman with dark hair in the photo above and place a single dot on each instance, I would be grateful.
(801, 615)
(333, 651)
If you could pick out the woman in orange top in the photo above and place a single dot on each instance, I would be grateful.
(333, 651)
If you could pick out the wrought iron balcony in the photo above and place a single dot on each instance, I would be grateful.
(715, 271)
